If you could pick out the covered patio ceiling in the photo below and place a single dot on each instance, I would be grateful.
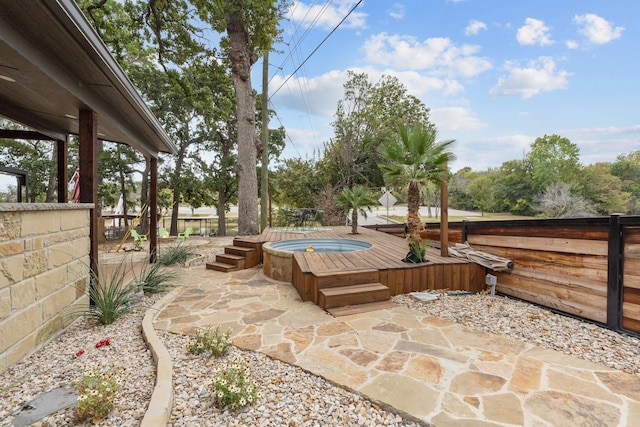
(53, 64)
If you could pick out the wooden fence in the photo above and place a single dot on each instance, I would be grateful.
(585, 267)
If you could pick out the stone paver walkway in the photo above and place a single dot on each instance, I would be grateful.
(437, 371)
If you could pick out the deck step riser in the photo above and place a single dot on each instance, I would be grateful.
(238, 250)
(237, 260)
(218, 266)
(251, 250)
(347, 279)
(353, 295)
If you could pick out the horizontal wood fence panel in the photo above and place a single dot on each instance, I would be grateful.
(561, 281)
(530, 229)
(545, 295)
(631, 311)
(631, 273)
(520, 256)
(631, 236)
(569, 307)
(574, 246)
(551, 290)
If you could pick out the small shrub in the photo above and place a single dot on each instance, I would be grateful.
(208, 339)
(233, 386)
(153, 279)
(178, 254)
(97, 392)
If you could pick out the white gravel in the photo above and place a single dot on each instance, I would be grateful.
(56, 365)
(536, 325)
(289, 395)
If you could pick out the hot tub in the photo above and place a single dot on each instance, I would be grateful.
(277, 256)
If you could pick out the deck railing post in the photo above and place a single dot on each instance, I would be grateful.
(614, 273)
(464, 231)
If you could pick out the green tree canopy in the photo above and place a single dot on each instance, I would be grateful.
(367, 116)
(553, 159)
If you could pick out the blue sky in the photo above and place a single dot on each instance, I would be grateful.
(496, 74)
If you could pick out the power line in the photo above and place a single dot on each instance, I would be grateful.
(317, 47)
(286, 134)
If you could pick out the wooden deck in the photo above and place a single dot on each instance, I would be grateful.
(381, 264)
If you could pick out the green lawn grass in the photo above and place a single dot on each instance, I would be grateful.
(487, 217)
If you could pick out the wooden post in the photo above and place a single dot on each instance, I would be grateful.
(615, 270)
(264, 138)
(444, 216)
(62, 155)
(88, 153)
(153, 210)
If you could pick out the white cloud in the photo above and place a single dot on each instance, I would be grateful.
(483, 153)
(324, 90)
(597, 29)
(571, 44)
(305, 140)
(437, 54)
(474, 27)
(537, 77)
(534, 32)
(453, 119)
(327, 16)
(397, 11)
(610, 130)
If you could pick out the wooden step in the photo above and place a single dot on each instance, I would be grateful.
(352, 295)
(238, 250)
(250, 253)
(237, 260)
(220, 266)
(361, 308)
(346, 278)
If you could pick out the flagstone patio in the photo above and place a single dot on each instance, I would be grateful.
(434, 370)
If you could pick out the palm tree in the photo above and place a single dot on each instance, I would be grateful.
(417, 158)
(359, 199)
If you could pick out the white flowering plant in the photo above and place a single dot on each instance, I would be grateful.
(209, 339)
(97, 393)
(233, 386)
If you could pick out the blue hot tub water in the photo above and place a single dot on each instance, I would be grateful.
(321, 245)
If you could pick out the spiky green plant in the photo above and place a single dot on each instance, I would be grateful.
(110, 294)
(154, 279)
(178, 254)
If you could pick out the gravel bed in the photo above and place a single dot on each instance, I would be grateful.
(289, 396)
(56, 365)
(536, 325)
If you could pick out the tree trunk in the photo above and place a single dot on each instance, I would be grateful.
(144, 195)
(242, 58)
(414, 225)
(176, 191)
(222, 213)
(52, 185)
(354, 221)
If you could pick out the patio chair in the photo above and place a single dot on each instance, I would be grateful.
(139, 238)
(162, 232)
(185, 235)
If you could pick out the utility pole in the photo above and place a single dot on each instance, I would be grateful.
(264, 137)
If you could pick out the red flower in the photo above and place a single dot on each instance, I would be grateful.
(79, 353)
(106, 341)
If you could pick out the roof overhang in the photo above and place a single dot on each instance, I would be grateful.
(53, 64)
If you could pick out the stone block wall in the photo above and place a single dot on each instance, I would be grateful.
(44, 271)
